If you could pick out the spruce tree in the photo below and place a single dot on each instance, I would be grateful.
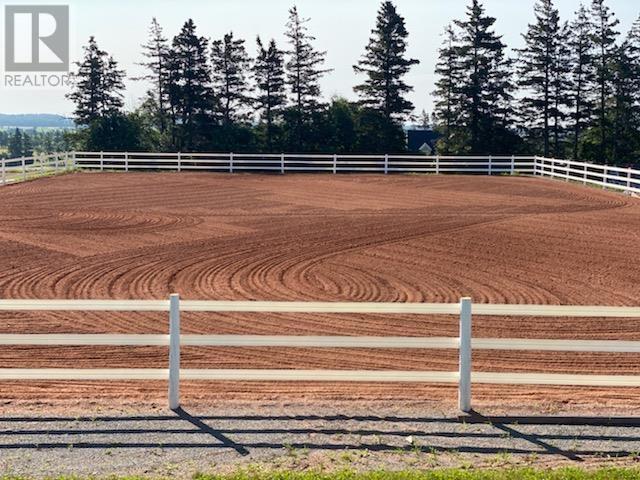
(304, 70)
(604, 39)
(268, 73)
(485, 88)
(98, 86)
(190, 95)
(229, 78)
(447, 92)
(538, 75)
(16, 144)
(581, 76)
(156, 51)
(385, 64)
(561, 94)
(626, 105)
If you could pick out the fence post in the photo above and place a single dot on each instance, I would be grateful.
(464, 386)
(513, 165)
(24, 168)
(437, 164)
(490, 159)
(73, 161)
(584, 176)
(629, 177)
(231, 162)
(605, 171)
(282, 163)
(174, 351)
(4, 170)
(126, 161)
(386, 163)
(179, 161)
(335, 163)
(101, 161)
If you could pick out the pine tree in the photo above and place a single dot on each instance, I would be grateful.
(98, 85)
(604, 39)
(561, 94)
(447, 92)
(423, 120)
(485, 88)
(229, 77)
(626, 106)
(156, 50)
(190, 96)
(268, 73)
(581, 75)
(539, 61)
(16, 144)
(303, 72)
(385, 64)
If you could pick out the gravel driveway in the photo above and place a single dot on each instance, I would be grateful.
(299, 436)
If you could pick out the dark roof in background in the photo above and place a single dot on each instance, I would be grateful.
(417, 138)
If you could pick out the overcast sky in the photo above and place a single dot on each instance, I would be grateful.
(341, 27)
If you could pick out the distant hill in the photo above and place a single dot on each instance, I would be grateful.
(33, 120)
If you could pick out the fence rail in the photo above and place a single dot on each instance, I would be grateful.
(618, 178)
(464, 377)
(23, 168)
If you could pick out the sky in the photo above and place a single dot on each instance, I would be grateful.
(341, 27)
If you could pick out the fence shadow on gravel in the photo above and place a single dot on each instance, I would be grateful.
(208, 433)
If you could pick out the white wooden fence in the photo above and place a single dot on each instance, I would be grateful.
(464, 377)
(24, 168)
(618, 178)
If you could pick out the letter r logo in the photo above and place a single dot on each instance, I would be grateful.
(36, 38)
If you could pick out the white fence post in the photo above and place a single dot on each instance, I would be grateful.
(629, 177)
(335, 163)
(126, 161)
(231, 162)
(101, 161)
(73, 161)
(386, 163)
(513, 164)
(282, 163)
(490, 160)
(464, 386)
(437, 164)
(179, 161)
(174, 351)
(584, 176)
(24, 168)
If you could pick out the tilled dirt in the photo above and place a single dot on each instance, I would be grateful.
(315, 237)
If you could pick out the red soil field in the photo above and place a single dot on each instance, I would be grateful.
(317, 237)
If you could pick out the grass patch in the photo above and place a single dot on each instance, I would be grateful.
(254, 473)
(444, 474)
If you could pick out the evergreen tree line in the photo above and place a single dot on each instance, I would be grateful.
(25, 142)
(214, 96)
(571, 91)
